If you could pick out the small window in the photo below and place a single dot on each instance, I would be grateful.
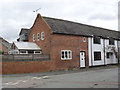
(84, 39)
(38, 52)
(33, 37)
(38, 36)
(111, 41)
(66, 54)
(42, 36)
(97, 40)
(23, 52)
(97, 56)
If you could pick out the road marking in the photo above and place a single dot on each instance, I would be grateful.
(8, 83)
(25, 81)
(17, 82)
(44, 77)
(20, 81)
(34, 78)
(39, 78)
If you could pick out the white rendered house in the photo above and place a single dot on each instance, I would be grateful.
(102, 51)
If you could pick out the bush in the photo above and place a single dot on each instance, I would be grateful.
(1, 52)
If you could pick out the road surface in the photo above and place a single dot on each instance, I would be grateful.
(106, 77)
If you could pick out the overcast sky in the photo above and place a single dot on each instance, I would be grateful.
(17, 14)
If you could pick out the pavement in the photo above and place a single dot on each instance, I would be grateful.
(95, 77)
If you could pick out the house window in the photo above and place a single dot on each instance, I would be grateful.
(42, 36)
(97, 40)
(66, 54)
(33, 37)
(109, 54)
(84, 39)
(38, 36)
(23, 52)
(37, 52)
(111, 41)
(97, 56)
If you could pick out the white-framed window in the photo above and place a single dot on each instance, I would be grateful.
(37, 52)
(84, 39)
(42, 36)
(33, 37)
(23, 52)
(96, 40)
(66, 54)
(38, 36)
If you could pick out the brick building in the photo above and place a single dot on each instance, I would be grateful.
(65, 41)
(64, 47)
(4, 46)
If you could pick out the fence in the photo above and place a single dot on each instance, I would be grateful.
(22, 57)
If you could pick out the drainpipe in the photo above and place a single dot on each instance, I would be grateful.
(118, 51)
(104, 50)
(91, 53)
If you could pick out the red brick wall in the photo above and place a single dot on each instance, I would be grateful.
(38, 27)
(3, 48)
(25, 67)
(53, 44)
(68, 42)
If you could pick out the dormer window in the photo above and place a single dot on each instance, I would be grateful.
(111, 41)
(96, 40)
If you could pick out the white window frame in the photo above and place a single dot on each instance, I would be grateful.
(69, 56)
(42, 35)
(33, 37)
(40, 52)
(38, 36)
(24, 53)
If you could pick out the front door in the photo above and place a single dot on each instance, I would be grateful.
(82, 59)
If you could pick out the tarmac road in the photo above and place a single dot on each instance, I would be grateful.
(98, 77)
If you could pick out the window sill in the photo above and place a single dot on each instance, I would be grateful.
(66, 59)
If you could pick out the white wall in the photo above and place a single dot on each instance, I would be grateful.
(94, 48)
(112, 60)
(98, 47)
(89, 51)
(103, 49)
(119, 50)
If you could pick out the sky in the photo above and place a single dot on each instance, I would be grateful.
(17, 14)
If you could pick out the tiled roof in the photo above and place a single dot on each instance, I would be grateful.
(72, 28)
(24, 31)
(60, 26)
(5, 43)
